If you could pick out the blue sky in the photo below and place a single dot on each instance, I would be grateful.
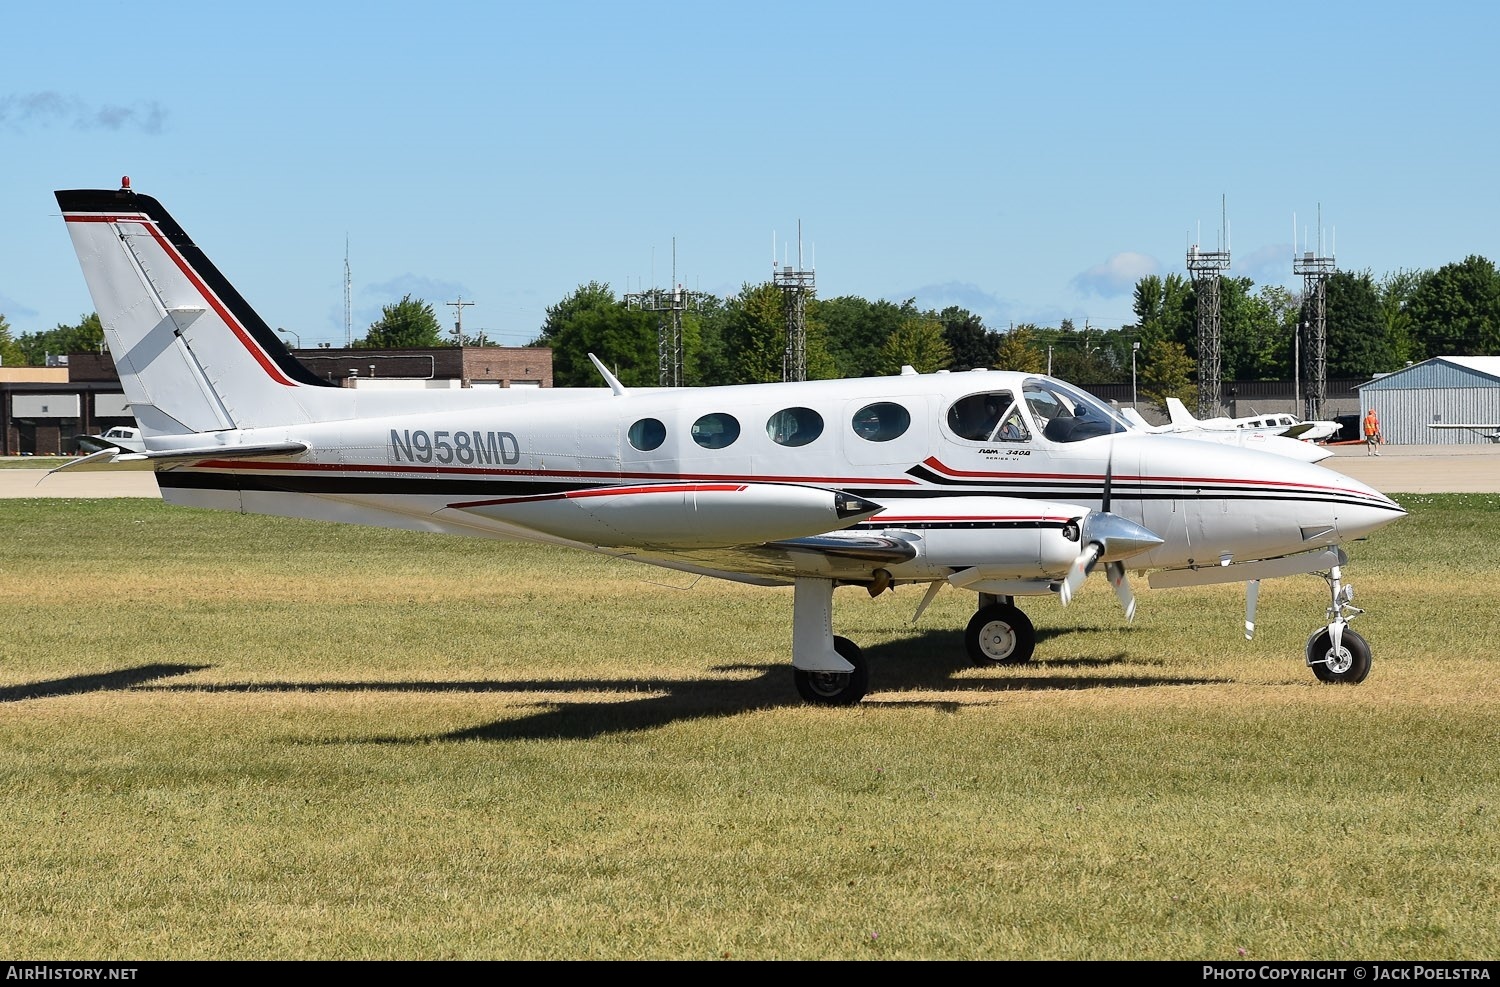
(1028, 162)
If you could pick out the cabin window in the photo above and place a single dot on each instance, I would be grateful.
(716, 431)
(794, 426)
(881, 422)
(647, 434)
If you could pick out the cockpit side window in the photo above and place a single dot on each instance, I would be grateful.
(993, 416)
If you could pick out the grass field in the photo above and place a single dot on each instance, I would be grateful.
(232, 737)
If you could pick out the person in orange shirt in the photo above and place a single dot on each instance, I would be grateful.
(1372, 433)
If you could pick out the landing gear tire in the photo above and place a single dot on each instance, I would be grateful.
(836, 688)
(1350, 664)
(1000, 634)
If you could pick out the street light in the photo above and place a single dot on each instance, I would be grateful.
(296, 334)
(1297, 408)
(1134, 349)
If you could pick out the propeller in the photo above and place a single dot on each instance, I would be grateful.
(1108, 536)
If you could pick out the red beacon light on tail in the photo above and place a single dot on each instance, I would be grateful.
(125, 183)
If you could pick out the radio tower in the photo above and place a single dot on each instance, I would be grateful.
(348, 332)
(668, 306)
(1204, 267)
(796, 287)
(1315, 270)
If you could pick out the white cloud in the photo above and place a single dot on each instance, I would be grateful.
(1117, 275)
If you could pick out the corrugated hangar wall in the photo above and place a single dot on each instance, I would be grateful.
(1442, 389)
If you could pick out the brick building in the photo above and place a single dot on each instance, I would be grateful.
(43, 410)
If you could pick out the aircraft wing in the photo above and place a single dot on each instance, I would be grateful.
(1489, 431)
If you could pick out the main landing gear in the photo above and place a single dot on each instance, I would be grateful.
(1335, 653)
(999, 633)
(828, 670)
(831, 671)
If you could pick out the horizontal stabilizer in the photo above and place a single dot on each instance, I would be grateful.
(118, 459)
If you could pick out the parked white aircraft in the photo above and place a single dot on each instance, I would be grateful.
(1490, 431)
(1244, 438)
(1003, 484)
(126, 437)
(1283, 424)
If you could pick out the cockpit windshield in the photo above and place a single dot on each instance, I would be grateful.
(1066, 414)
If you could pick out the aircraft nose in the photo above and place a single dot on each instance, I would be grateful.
(1362, 510)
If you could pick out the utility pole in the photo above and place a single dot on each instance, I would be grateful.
(458, 317)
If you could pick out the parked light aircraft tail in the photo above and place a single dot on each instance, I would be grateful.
(1004, 484)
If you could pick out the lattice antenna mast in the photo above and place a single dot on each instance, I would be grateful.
(1205, 268)
(1315, 269)
(797, 285)
(348, 328)
(668, 306)
(458, 318)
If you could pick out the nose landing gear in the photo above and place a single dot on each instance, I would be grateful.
(1335, 653)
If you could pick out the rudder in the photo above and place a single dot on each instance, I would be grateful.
(191, 353)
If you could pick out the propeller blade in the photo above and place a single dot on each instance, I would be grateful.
(1079, 572)
(1109, 475)
(1252, 596)
(1116, 573)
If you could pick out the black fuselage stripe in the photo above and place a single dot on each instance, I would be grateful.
(304, 483)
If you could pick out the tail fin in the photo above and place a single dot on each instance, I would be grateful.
(191, 353)
(1179, 414)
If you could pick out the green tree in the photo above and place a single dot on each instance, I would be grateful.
(10, 353)
(755, 338)
(592, 320)
(971, 343)
(856, 329)
(1357, 344)
(1165, 370)
(1165, 309)
(85, 337)
(407, 324)
(1079, 356)
(1456, 311)
(1018, 351)
(1244, 326)
(917, 343)
(1396, 290)
(1274, 321)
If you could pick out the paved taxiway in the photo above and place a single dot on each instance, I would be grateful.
(1467, 468)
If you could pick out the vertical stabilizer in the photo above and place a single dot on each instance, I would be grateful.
(1179, 414)
(191, 354)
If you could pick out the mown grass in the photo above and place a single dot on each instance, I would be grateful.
(232, 737)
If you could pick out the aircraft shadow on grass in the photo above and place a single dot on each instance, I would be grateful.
(124, 678)
(904, 666)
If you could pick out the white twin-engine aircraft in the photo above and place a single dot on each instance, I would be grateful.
(1004, 484)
